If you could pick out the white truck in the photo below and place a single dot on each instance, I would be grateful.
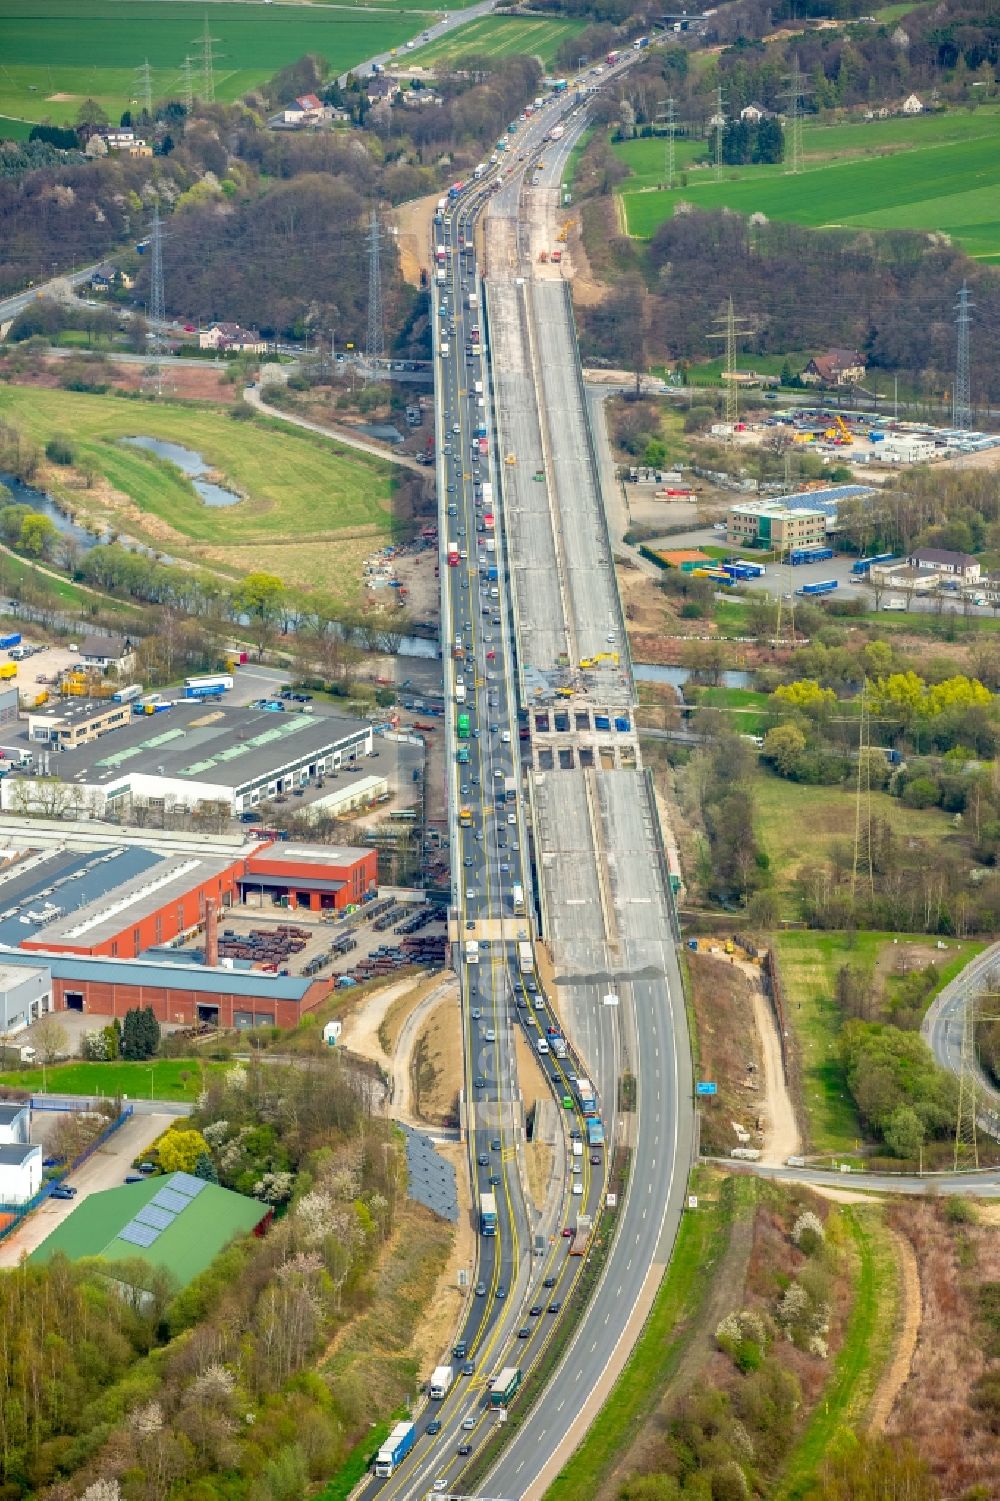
(472, 951)
(441, 1378)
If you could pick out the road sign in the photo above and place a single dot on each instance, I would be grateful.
(706, 1088)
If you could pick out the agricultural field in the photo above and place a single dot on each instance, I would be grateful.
(932, 172)
(296, 485)
(500, 36)
(56, 53)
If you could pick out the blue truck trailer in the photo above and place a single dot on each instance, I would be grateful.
(826, 587)
(395, 1449)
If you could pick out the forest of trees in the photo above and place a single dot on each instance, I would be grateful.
(890, 294)
(204, 1392)
(266, 229)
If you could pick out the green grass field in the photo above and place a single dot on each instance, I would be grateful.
(56, 53)
(499, 36)
(163, 1079)
(932, 172)
(302, 490)
(809, 962)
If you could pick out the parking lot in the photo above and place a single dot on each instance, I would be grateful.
(106, 1169)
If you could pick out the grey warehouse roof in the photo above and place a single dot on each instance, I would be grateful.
(145, 894)
(206, 743)
(80, 967)
(9, 1112)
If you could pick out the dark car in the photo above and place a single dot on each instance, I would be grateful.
(595, 1158)
(495, 1144)
(555, 1307)
(483, 1159)
(62, 1192)
(465, 1448)
(501, 1292)
(434, 1426)
(495, 1180)
(524, 1332)
(133, 1177)
(549, 1282)
(536, 1310)
(469, 1368)
(458, 1349)
(479, 1082)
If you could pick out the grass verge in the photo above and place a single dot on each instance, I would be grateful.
(867, 1339)
(176, 1079)
(701, 1242)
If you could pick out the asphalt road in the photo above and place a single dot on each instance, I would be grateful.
(943, 1024)
(604, 905)
(11, 306)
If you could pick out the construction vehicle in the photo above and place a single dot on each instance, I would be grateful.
(564, 692)
(602, 656)
(511, 459)
(543, 256)
(81, 684)
(839, 433)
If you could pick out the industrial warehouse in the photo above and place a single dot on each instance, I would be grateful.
(223, 937)
(74, 762)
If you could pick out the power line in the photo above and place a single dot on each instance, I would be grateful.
(795, 90)
(863, 851)
(961, 406)
(187, 85)
(145, 87)
(720, 126)
(969, 1087)
(204, 43)
(375, 345)
(731, 331)
(669, 119)
(156, 309)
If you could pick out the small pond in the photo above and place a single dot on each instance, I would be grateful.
(190, 464)
(39, 500)
(646, 672)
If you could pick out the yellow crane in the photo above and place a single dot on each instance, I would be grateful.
(840, 432)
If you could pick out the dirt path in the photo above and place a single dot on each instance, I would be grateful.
(898, 1371)
(437, 1019)
(252, 396)
(781, 1136)
(361, 1031)
(413, 222)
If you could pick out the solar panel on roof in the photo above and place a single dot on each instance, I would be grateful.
(187, 1184)
(138, 1235)
(172, 1202)
(152, 1214)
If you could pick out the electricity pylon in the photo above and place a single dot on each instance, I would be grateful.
(204, 42)
(731, 332)
(156, 310)
(961, 407)
(145, 88)
(375, 346)
(667, 117)
(795, 89)
(969, 1087)
(864, 859)
(720, 126)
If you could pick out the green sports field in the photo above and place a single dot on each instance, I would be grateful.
(500, 36)
(199, 1227)
(931, 172)
(56, 53)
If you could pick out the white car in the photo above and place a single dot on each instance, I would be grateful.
(505, 737)
(578, 1190)
(512, 818)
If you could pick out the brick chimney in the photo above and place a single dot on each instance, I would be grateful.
(211, 934)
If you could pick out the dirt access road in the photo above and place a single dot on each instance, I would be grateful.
(362, 1029)
(781, 1131)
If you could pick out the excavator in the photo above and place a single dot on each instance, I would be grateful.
(839, 433)
(602, 656)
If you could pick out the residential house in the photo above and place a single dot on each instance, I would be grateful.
(838, 367)
(308, 109)
(139, 148)
(230, 337)
(108, 653)
(381, 89)
(960, 564)
(912, 105)
(108, 276)
(104, 278)
(753, 113)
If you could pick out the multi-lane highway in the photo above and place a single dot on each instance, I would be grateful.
(944, 1025)
(554, 838)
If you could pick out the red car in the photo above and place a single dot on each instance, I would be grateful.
(567, 1232)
